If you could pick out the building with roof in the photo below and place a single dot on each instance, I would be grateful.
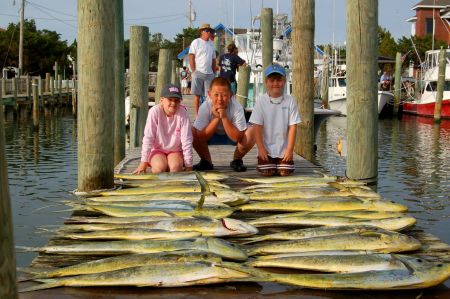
(432, 16)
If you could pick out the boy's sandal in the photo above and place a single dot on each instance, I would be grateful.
(238, 165)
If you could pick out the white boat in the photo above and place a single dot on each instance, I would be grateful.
(337, 95)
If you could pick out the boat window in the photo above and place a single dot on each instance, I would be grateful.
(342, 82)
(432, 86)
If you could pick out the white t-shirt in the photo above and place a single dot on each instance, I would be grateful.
(204, 54)
(275, 119)
(234, 111)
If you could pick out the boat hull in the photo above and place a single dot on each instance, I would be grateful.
(427, 109)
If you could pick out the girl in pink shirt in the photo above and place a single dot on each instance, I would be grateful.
(167, 142)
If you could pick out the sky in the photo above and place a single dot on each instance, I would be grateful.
(170, 17)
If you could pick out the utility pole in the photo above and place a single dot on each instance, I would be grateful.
(190, 13)
(22, 16)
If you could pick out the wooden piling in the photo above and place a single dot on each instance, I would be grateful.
(8, 287)
(56, 69)
(324, 84)
(52, 87)
(28, 87)
(35, 104)
(138, 73)
(67, 91)
(440, 86)
(59, 88)
(14, 87)
(362, 112)
(174, 78)
(267, 36)
(163, 76)
(119, 86)
(243, 83)
(3, 87)
(47, 82)
(74, 97)
(303, 73)
(398, 82)
(96, 106)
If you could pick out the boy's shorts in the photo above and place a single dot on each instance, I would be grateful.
(218, 139)
(275, 166)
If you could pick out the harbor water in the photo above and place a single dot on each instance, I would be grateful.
(414, 169)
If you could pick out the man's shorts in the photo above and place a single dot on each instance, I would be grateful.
(218, 139)
(275, 166)
(201, 83)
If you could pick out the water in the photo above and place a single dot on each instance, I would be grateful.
(414, 169)
(413, 166)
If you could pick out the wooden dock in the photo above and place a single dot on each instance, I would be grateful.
(433, 248)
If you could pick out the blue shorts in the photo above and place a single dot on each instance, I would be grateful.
(218, 139)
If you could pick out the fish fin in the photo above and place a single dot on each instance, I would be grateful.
(253, 240)
(48, 284)
(338, 186)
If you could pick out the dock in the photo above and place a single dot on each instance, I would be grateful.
(433, 249)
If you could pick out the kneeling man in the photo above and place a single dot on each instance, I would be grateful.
(221, 120)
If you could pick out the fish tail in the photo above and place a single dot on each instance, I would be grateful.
(27, 249)
(48, 284)
(257, 275)
(46, 207)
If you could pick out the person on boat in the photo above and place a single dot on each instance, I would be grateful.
(385, 81)
(275, 118)
(229, 64)
(167, 142)
(202, 60)
(221, 120)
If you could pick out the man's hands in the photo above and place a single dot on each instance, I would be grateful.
(262, 154)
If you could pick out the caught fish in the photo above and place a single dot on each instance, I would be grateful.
(392, 223)
(325, 204)
(292, 193)
(384, 242)
(182, 211)
(312, 233)
(205, 226)
(216, 246)
(170, 275)
(338, 263)
(291, 178)
(418, 275)
(303, 184)
(133, 234)
(127, 261)
(153, 183)
(173, 204)
(214, 176)
(225, 196)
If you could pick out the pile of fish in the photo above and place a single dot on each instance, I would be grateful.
(169, 230)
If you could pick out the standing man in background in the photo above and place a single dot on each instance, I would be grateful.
(202, 60)
(229, 63)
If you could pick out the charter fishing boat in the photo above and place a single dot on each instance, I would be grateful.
(424, 105)
(337, 94)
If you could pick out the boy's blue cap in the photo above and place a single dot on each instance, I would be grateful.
(274, 68)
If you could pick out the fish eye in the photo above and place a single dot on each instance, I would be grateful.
(439, 265)
(419, 260)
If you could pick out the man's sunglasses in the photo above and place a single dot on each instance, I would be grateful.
(208, 30)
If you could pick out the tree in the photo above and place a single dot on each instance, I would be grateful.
(387, 46)
(41, 49)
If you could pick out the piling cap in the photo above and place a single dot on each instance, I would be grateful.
(274, 68)
(171, 91)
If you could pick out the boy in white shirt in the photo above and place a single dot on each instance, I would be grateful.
(275, 118)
